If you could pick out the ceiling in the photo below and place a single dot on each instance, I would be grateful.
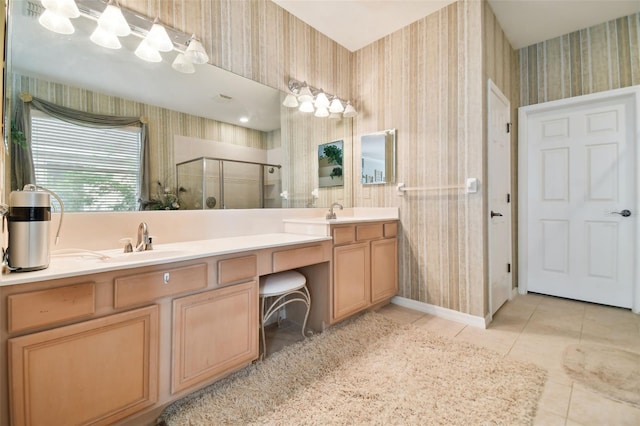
(524, 22)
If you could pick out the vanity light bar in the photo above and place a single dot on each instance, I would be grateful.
(299, 98)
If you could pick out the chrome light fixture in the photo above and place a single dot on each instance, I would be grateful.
(115, 21)
(309, 99)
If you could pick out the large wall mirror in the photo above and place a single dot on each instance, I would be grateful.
(211, 113)
(378, 157)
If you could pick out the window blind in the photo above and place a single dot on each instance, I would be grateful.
(91, 169)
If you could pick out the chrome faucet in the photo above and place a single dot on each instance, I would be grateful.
(144, 241)
(332, 214)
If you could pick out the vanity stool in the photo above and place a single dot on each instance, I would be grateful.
(285, 287)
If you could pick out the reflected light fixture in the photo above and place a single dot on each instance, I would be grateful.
(147, 53)
(195, 51)
(115, 21)
(67, 8)
(112, 20)
(182, 64)
(57, 14)
(105, 39)
(309, 99)
(158, 38)
(56, 23)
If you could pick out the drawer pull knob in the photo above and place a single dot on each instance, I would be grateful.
(165, 278)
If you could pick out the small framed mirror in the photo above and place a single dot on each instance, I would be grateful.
(378, 157)
(330, 164)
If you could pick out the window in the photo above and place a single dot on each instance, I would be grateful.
(91, 169)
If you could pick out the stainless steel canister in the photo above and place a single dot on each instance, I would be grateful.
(29, 219)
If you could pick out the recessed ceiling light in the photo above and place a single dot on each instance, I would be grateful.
(244, 119)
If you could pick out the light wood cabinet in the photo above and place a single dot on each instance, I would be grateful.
(94, 372)
(351, 275)
(118, 346)
(213, 332)
(384, 269)
(365, 268)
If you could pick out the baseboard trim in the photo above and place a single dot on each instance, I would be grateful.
(441, 312)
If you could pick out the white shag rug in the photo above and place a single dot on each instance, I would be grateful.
(373, 371)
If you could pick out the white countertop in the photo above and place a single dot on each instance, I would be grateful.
(80, 262)
(338, 221)
(322, 227)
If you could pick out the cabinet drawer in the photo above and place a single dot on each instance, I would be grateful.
(237, 269)
(390, 230)
(141, 288)
(344, 235)
(295, 258)
(44, 307)
(369, 232)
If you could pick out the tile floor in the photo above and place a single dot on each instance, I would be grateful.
(536, 329)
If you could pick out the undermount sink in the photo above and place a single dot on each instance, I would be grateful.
(138, 256)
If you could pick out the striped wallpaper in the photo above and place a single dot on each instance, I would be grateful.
(423, 80)
(598, 58)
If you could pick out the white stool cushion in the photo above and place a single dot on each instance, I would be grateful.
(281, 282)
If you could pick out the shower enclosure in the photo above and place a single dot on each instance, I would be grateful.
(215, 183)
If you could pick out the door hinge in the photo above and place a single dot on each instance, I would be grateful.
(508, 198)
(509, 127)
(508, 268)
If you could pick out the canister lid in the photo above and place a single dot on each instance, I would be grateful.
(29, 198)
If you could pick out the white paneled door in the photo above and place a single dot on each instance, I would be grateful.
(499, 191)
(581, 200)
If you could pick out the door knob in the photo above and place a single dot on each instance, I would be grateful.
(623, 213)
(493, 214)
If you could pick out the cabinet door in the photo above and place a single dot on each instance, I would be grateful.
(384, 269)
(351, 279)
(94, 372)
(213, 333)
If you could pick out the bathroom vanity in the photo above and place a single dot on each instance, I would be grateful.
(99, 341)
